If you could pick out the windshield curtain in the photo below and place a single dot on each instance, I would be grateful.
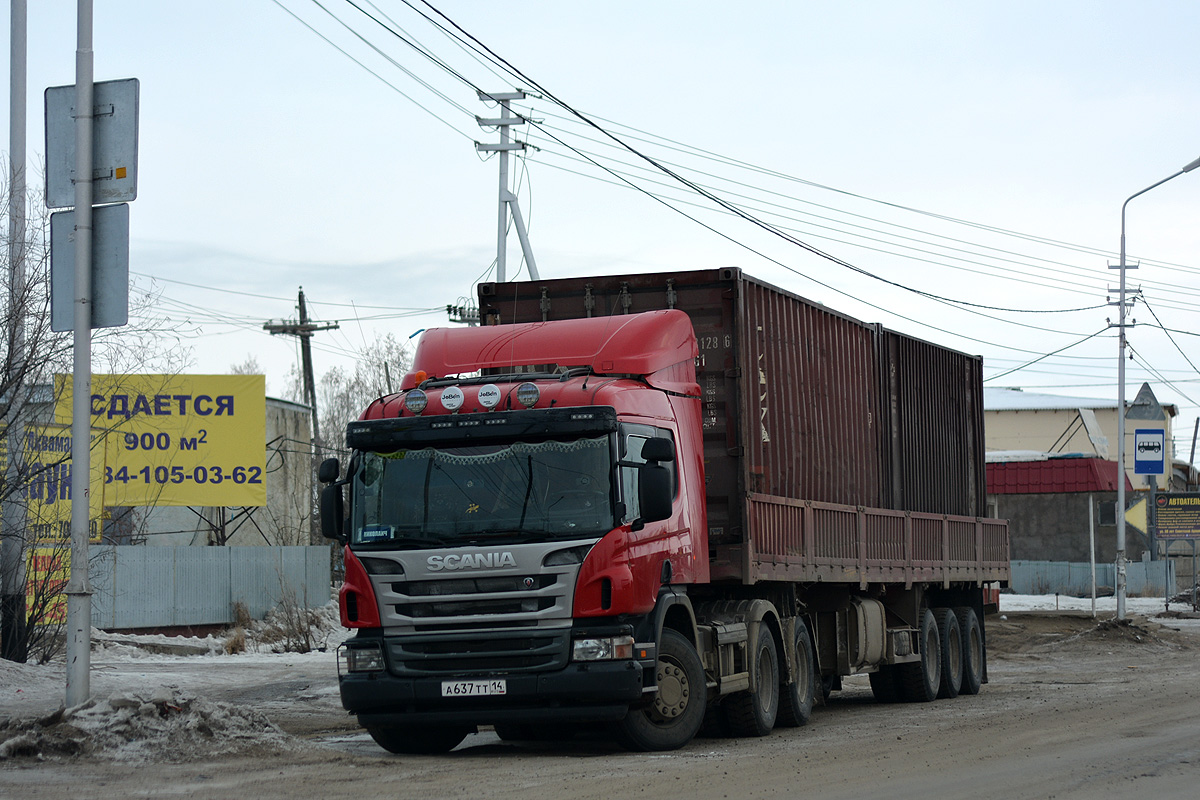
(551, 489)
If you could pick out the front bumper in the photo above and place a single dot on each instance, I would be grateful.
(579, 692)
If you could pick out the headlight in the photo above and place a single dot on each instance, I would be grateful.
(571, 555)
(608, 648)
(360, 659)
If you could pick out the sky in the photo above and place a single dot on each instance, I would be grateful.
(963, 164)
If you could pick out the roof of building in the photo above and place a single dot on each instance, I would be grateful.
(1002, 399)
(1052, 474)
(1018, 400)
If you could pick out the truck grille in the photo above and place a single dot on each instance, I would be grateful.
(488, 653)
(511, 619)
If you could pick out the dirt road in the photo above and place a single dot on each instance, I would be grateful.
(1073, 710)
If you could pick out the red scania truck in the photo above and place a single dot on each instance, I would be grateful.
(656, 502)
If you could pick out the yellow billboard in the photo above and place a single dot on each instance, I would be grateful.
(178, 440)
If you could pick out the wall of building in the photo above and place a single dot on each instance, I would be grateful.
(1054, 527)
(1041, 429)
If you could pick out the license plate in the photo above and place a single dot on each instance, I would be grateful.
(473, 688)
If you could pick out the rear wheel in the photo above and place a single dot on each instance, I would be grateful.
(674, 717)
(417, 741)
(796, 698)
(919, 681)
(752, 713)
(972, 649)
(952, 661)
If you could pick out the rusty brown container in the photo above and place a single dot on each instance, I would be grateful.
(801, 405)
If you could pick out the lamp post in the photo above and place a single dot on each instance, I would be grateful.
(1121, 399)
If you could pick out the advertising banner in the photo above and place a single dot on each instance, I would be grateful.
(178, 440)
(47, 569)
(47, 489)
(1177, 515)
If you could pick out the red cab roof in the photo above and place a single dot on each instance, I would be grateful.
(631, 344)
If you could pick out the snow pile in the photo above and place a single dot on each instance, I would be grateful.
(292, 630)
(161, 724)
(282, 631)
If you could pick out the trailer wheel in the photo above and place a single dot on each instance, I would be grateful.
(417, 741)
(952, 649)
(796, 698)
(884, 684)
(674, 717)
(919, 681)
(972, 649)
(752, 713)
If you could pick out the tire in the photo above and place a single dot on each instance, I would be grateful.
(417, 741)
(674, 717)
(884, 684)
(952, 652)
(796, 698)
(972, 650)
(920, 681)
(753, 713)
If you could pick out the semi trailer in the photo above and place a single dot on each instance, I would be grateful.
(647, 504)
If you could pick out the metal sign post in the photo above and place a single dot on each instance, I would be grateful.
(79, 588)
(75, 147)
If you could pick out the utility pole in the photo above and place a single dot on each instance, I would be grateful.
(305, 328)
(13, 634)
(508, 200)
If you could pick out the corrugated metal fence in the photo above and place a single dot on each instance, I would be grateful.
(1142, 578)
(154, 587)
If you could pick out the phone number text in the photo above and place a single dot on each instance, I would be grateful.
(164, 475)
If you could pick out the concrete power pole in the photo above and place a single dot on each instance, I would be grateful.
(305, 328)
(12, 550)
(508, 200)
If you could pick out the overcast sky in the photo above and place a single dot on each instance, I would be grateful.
(871, 131)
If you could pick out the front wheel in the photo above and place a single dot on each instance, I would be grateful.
(675, 716)
(417, 741)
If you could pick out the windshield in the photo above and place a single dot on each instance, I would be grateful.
(453, 495)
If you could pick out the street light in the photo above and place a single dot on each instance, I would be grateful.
(1121, 399)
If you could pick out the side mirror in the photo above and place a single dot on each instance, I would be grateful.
(328, 471)
(332, 510)
(658, 449)
(654, 491)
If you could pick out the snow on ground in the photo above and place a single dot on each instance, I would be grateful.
(1143, 606)
(139, 710)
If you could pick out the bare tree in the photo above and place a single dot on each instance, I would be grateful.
(31, 354)
(344, 392)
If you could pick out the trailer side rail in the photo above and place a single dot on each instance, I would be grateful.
(807, 541)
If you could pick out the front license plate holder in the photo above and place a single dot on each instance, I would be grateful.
(484, 688)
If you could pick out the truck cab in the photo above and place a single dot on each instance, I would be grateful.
(522, 517)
